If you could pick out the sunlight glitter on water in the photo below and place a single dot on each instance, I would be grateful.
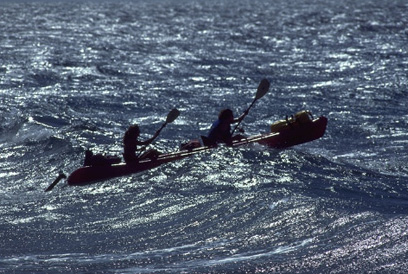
(106, 65)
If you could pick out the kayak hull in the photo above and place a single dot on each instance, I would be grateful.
(294, 135)
(89, 174)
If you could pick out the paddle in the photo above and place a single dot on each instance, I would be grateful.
(261, 91)
(173, 114)
(59, 178)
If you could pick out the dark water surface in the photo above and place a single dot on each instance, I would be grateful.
(74, 75)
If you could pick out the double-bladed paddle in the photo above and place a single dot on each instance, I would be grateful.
(263, 88)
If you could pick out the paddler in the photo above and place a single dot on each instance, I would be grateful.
(131, 141)
(220, 131)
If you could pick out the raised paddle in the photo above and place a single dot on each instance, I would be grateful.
(261, 91)
(173, 114)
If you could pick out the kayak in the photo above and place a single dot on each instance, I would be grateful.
(283, 134)
(290, 132)
(89, 174)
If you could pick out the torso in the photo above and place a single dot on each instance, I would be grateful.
(220, 131)
(129, 149)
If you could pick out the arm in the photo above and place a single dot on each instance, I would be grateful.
(240, 118)
(148, 141)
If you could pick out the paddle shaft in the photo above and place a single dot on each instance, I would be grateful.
(59, 178)
(239, 122)
(263, 88)
(173, 114)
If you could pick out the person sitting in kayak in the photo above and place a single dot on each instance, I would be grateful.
(220, 131)
(130, 143)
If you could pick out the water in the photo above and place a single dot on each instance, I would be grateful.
(74, 75)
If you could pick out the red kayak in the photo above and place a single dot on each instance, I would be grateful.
(286, 133)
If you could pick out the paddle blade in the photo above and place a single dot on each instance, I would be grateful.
(173, 114)
(262, 89)
(59, 178)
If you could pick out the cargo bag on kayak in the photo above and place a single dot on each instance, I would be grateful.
(301, 117)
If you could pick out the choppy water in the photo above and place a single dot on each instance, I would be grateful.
(74, 75)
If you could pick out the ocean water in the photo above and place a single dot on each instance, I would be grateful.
(75, 74)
